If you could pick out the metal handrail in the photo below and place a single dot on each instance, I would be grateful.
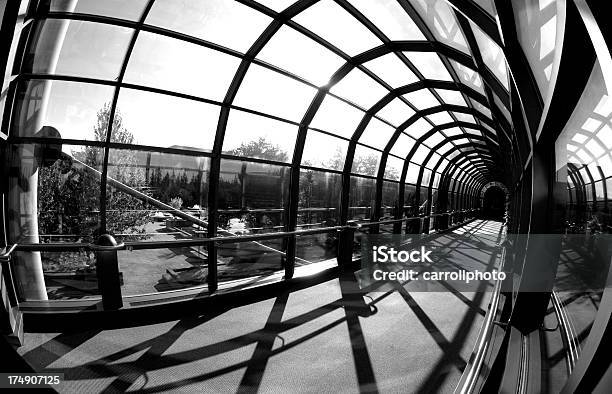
(6, 254)
(136, 245)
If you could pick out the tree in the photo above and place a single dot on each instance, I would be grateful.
(69, 193)
(262, 149)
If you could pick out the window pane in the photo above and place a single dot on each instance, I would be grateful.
(403, 145)
(503, 108)
(325, 151)
(211, 20)
(273, 93)
(396, 112)
(420, 154)
(366, 161)
(422, 99)
(338, 117)
(170, 64)
(453, 97)
(441, 20)
(70, 107)
(434, 140)
(84, 49)
(179, 181)
(429, 64)
(362, 195)
(464, 117)
(418, 128)
(440, 118)
(277, 5)
(413, 173)
(165, 121)
(377, 134)
(64, 194)
(360, 89)
(131, 10)
(390, 194)
(389, 17)
(319, 197)
(391, 70)
(331, 22)
(468, 76)
(394, 167)
(294, 52)
(252, 197)
(492, 55)
(481, 108)
(250, 135)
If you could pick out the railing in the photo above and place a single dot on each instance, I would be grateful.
(11, 319)
(106, 249)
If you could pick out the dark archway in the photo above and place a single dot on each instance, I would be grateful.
(494, 204)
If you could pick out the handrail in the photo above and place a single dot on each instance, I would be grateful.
(472, 371)
(6, 255)
(136, 245)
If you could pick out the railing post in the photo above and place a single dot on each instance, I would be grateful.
(346, 238)
(11, 318)
(107, 271)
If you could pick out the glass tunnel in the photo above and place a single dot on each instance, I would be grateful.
(203, 181)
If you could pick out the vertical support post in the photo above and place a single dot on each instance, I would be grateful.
(346, 238)
(107, 270)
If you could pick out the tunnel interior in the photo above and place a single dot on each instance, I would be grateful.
(191, 191)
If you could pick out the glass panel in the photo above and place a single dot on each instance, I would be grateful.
(179, 181)
(211, 20)
(394, 167)
(492, 55)
(361, 198)
(277, 5)
(366, 161)
(360, 89)
(434, 140)
(503, 108)
(72, 108)
(464, 117)
(391, 70)
(445, 148)
(440, 118)
(418, 128)
(319, 206)
(60, 186)
(453, 97)
(468, 76)
(403, 145)
(131, 10)
(166, 121)
(389, 201)
(332, 23)
(389, 17)
(270, 92)
(294, 52)
(319, 203)
(429, 64)
(396, 112)
(250, 135)
(441, 20)
(422, 99)
(413, 173)
(420, 154)
(167, 63)
(325, 151)
(252, 197)
(481, 108)
(377, 134)
(84, 49)
(536, 29)
(338, 117)
(488, 6)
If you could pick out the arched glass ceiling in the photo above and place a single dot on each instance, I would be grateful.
(309, 76)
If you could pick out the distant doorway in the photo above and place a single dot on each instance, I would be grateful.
(494, 204)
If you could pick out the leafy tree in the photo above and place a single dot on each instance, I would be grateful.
(69, 194)
(262, 149)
